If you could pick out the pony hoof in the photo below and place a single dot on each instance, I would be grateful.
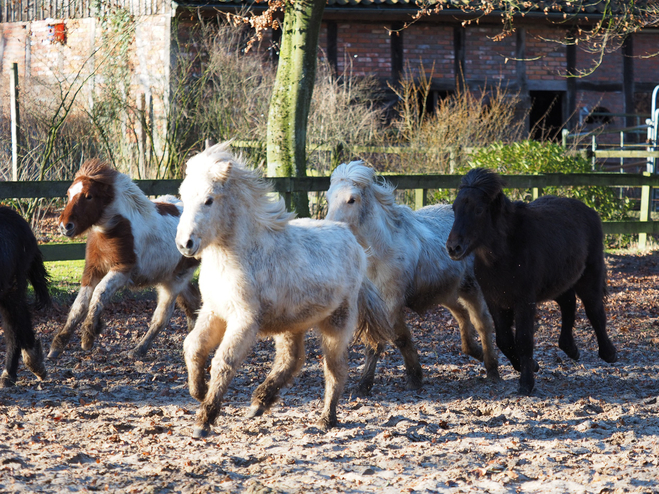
(200, 432)
(525, 389)
(363, 390)
(493, 375)
(572, 352)
(413, 384)
(255, 411)
(136, 353)
(87, 342)
(6, 381)
(326, 423)
(53, 354)
(33, 359)
(609, 357)
(536, 367)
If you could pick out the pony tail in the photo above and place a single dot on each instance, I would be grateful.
(373, 325)
(40, 280)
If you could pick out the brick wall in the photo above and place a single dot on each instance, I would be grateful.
(609, 69)
(646, 66)
(545, 59)
(364, 49)
(486, 59)
(430, 46)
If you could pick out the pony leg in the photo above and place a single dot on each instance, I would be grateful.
(237, 342)
(503, 323)
(189, 300)
(335, 342)
(9, 374)
(76, 314)
(108, 286)
(407, 349)
(467, 331)
(524, 319)
(197, 346)
(162, 315)
(474, 301)
(594, 306)
(568, 304)
(372, 355)
(288, 362)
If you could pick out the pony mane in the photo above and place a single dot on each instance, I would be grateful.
(221, 167)
(363, 176)
(484, 180)
(98, 171)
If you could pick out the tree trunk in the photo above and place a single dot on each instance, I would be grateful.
(291, 97)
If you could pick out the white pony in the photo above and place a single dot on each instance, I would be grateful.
(408, 262)
(130, 242)
(264, 273)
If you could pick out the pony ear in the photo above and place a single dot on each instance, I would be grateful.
(221, 171)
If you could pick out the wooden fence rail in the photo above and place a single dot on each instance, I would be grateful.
(419, 183)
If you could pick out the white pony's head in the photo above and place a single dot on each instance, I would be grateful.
(217, 190)
(354, 191)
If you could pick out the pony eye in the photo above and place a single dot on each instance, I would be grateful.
(209, 201)
(351, 200)
(89, 197)
(479, 211)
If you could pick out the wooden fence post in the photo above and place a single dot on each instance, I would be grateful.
(420, 198)
(15, 120)
(645, 211)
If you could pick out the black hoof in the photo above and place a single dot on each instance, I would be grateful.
(525, 389)
(572, 352)
(609, 357)
(53, 355)
(493, 375)
(536, 366)
(363, 390)
(200, 432)
(413, 383)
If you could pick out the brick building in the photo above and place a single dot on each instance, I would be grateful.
(58, 38)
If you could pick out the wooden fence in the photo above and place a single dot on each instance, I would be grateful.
(419, 183)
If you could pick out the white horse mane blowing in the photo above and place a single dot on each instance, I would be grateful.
(265, 273)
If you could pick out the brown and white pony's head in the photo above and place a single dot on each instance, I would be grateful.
(91, 192)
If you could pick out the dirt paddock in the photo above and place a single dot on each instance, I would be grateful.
(104, 422)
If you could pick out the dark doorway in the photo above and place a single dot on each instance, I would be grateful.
(546, 117)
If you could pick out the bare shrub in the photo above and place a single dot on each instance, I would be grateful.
(440, 140)
(344, 115)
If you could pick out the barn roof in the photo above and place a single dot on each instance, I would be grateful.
(539, 6)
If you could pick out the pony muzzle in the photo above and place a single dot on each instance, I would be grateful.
(456, 250)
(67, 229)
(189, 246)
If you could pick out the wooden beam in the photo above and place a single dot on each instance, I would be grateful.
(571, 96)
(628, 79)
(397, 58)
(459, 54)
(332, 43)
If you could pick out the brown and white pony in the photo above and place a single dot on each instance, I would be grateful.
(130, 242)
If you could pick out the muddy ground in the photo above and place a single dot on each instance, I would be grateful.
(105, 422)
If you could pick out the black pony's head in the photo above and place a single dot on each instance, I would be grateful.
(478, 203)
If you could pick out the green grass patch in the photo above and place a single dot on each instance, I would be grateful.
(65, 278)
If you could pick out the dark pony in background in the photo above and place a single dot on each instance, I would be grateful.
(20, 261)
(130, 242)
(549, 249)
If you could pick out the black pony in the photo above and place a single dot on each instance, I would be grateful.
(549, 249)
(20, 261)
